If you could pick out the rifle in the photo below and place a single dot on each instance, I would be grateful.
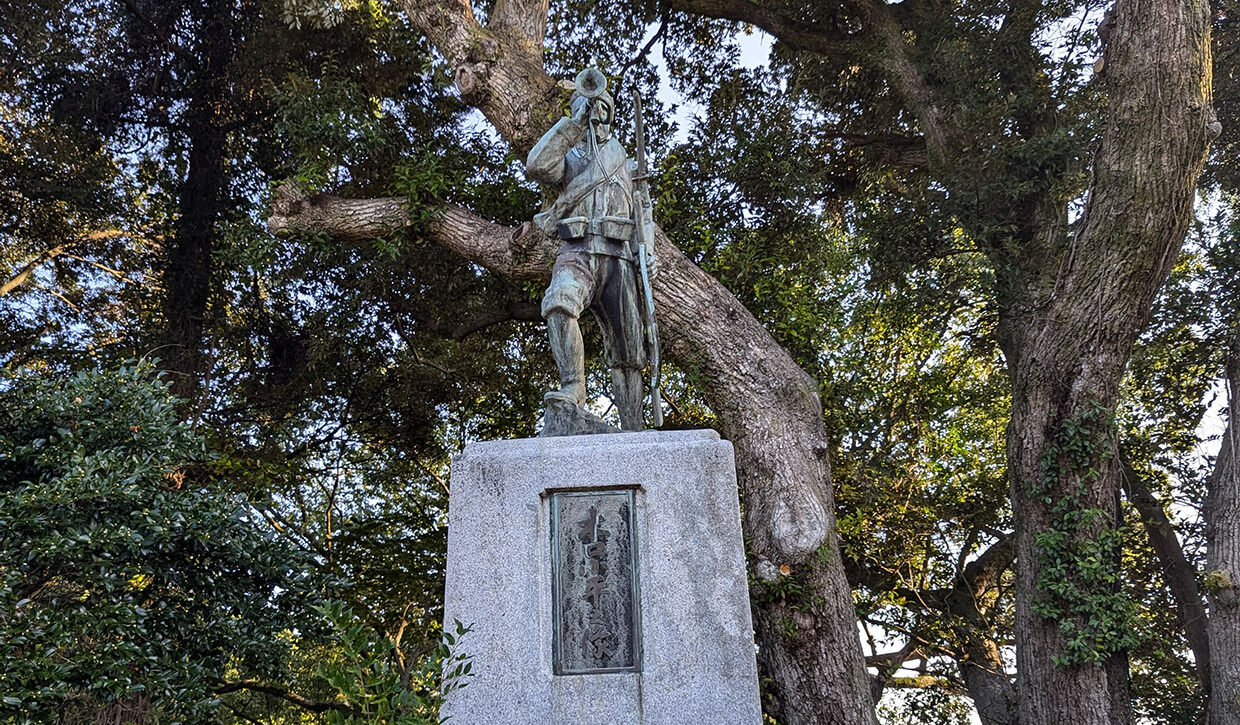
(642, 216)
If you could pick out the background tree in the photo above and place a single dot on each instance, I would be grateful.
(128, 585)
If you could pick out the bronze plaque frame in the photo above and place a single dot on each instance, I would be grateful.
(594, 590)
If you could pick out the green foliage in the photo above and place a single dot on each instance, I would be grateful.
(69, 260)
(122, 574)
(1080, 578)
(928, 706)
(375, 689)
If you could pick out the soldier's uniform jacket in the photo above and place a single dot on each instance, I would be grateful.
(596, 266)
(594, 212)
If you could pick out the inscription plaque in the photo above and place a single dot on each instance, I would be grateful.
(594, 582)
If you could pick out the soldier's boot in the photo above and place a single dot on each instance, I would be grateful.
(626, 393)
(570, 357)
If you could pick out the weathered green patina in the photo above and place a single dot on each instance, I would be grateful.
(602, 218)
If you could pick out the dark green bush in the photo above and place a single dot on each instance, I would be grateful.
(126, 578)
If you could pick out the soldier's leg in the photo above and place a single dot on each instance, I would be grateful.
(619, 316)
(626, 393)
(570, 290)
(570, 356)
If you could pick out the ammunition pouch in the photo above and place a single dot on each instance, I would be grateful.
(610, 227)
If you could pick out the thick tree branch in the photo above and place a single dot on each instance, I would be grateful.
(981, 665)
(875, 32)
(521, 253)
(888, 664)
(498, 68)
(897, 63)
(782, 22)
(1159, 124)
(24, 273)
(526, 18)
(983, 573)
(1179, 575)
(460, 329)
(447, 23)
(287, 695)
(344, 219)
(518, 311)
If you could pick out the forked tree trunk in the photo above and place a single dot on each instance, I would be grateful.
(1067, 344)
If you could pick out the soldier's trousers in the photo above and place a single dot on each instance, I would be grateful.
(607, 286)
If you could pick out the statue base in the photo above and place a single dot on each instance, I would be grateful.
(566, 418)
(604, 581)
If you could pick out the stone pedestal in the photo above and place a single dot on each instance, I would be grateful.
(604, 579)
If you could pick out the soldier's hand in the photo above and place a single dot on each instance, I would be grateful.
(652, 263)
(581, 114)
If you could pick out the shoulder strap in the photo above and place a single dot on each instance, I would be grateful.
(579, 187)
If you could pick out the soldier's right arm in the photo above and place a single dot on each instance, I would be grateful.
(546, 160)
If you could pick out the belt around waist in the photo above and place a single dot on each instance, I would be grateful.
(599, 245)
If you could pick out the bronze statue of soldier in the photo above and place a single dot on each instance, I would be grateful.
(598, 216)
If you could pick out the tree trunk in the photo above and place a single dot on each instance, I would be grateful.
(993, 694)
(1067, 344)
(187, 272)
(1223, 560)
(981, 665)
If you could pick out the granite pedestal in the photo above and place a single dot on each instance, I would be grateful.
(604, 580)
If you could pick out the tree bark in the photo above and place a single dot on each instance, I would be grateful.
(1223, 559)
(498, 67)
(985, 677)
(1067, 350)
(981, 665)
